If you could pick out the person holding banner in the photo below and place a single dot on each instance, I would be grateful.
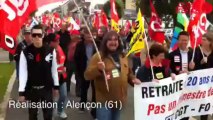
(181, 58)
(204, 53)
(204, 57)
(160, 65)
(118, 74)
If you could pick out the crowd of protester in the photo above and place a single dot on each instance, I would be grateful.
(74, 53)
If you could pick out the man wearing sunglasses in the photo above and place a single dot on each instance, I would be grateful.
(38, 76)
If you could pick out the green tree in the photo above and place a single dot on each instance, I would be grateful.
(162, 6)
(119, 6)
(210, 16)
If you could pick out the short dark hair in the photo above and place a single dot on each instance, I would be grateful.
(53, 37)
(156, 49)
(183, 33)
(39, 26)
(107, 37)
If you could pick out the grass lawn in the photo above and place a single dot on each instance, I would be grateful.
(6, 70)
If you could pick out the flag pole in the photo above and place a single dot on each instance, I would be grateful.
(147, 46)
(201, 51)
(96, 48)
(193, 54)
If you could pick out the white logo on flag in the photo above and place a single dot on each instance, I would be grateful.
(17, 4)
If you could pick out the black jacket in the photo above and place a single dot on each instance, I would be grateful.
(38, 67)
(175, 66)
(80, 58)
(198, 58)
(64, 41)
(144, 73)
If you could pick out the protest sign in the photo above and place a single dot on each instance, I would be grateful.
(187, 95)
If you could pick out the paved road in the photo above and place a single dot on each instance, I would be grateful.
(73, 114)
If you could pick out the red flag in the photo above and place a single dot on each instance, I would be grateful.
(184, 7)
(56, 20)
(113, 11)
(96, 23)
(45, 20)
(127, 27)
(104, 18)
(13, 14)
(114, 16)
(155, 29)
(197, 23)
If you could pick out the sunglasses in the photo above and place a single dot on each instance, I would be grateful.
(37, 34)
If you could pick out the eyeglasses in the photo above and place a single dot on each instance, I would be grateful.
(37, 34)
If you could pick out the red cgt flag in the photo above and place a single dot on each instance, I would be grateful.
(46, 20)
(57, 21)
(127, 27)
(155, 30)
(13, 14)
(96, 23)
(104, 19)
(198, 21)
(114, 16)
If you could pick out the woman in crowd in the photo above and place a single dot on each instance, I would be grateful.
(161, 67)
(115, 64)
(204, 57)
(204, 53)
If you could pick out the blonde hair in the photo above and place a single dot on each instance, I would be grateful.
(209, 37)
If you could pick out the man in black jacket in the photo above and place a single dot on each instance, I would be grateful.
(38, 75)
(84, 51)
(21, 46)
(181, 58)
(64, 38)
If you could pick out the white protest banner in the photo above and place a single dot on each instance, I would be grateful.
(188, 95)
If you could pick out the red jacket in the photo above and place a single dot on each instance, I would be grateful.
(61, 60)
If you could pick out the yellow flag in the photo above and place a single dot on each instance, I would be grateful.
(137, 40)
(115, 26)
(137, 46)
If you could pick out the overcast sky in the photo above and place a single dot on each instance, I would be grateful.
(94, 2)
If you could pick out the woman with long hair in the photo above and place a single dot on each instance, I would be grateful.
(204, 57)
(204, 53)
(115, 64)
